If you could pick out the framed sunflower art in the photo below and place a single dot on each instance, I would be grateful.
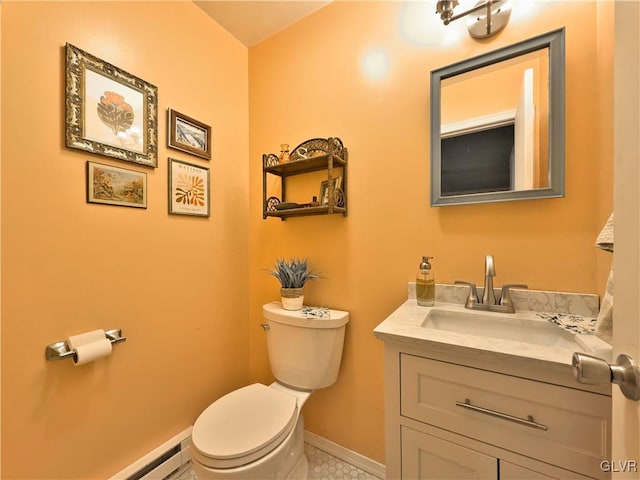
(189, 190)
(109, 111)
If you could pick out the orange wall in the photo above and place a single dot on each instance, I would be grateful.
(67, 265)
(176, 285)
(308, 82)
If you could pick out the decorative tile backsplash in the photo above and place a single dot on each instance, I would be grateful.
(586, 304)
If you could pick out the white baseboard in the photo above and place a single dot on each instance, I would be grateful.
(182, 439)
(349, 456)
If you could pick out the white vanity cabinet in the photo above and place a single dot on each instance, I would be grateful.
(470, 415)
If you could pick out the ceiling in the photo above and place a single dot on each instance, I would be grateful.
(254, 21)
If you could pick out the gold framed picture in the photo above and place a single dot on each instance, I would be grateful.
(109, 111)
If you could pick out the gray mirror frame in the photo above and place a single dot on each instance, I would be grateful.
(555, 42)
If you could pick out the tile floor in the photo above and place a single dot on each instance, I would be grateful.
(322, 466)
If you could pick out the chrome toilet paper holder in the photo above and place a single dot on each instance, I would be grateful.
(60, 350)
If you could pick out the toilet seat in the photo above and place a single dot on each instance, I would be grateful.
(243, 426)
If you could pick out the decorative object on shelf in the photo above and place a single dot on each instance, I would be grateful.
(317, 147)
(189, 190)
(270, 160)
(188, 134)
(288, 205)
(272, 203)
(116, 186)
(315, 155)
(109, 111)
(284, 153)
(326, 190)
(292, 275)
(302, 153)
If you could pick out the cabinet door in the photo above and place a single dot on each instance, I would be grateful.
(426, 457)
(510, 471)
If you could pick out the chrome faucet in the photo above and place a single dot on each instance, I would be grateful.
(489, 303)
(488, 297)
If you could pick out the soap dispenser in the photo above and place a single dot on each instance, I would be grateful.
(425, 284)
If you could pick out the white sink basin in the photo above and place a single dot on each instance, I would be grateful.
(502, 326)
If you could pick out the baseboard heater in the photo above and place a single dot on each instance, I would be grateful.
(160, 462)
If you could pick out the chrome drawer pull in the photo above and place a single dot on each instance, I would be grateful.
(529, 422)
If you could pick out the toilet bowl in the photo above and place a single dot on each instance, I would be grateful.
(257, 431)
(254, 432)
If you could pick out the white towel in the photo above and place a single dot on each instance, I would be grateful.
(605, 239)
(604, 322)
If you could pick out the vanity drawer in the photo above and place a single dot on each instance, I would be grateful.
(562, 426)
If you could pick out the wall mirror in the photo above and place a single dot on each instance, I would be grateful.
(497, 125)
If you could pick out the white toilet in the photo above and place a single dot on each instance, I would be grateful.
(256, 432)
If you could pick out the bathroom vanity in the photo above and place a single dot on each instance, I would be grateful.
(490, 396)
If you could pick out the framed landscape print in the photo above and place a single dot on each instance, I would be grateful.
(188, 134)
(189, 190)
(109, 111)
(116, 186)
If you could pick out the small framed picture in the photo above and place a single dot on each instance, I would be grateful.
(189, 189)
(116, 186)
(188, 135)
(109, 111)
(324, 189)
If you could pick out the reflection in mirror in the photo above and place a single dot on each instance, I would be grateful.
(497, 125)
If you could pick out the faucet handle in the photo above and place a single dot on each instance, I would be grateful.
(472, 298)
(505, 298)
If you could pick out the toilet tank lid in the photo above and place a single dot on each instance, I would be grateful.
(274, 311)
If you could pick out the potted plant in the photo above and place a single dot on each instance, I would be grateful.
(292, 275)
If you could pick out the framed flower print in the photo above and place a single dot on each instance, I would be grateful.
(109, 111)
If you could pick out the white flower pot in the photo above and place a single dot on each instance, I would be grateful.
(292, 298)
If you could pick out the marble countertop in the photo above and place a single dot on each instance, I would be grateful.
(404, 325)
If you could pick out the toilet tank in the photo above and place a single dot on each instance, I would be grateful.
(304, 353)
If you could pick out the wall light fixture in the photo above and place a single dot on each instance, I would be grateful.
(492, 16)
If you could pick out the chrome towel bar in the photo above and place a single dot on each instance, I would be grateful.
(60, 350)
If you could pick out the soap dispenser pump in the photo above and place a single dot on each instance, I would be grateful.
(425, 284)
